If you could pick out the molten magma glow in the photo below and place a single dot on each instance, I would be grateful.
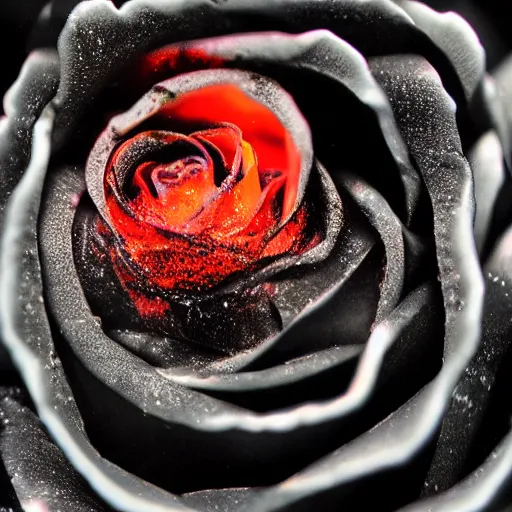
(212, 208)
(260, 127)
(174, 60)
(181, 195)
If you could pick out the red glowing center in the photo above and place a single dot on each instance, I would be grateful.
(191, 209)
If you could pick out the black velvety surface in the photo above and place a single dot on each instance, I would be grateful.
(371, 372)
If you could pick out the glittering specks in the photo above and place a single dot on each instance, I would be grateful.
(426, 116)
(98, 41)
(43, 478)
(238, 204)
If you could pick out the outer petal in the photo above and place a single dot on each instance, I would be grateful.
(23, 104)
(484, 490)
(26, 333)
(164, 23)
(486, 161)
(365, 454)
(473, 420)
(468, 428)
(39, 471)
(436, 148)
(295, 370)
(454, 36)
(501, 84)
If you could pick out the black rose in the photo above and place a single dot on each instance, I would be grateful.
(255, 257)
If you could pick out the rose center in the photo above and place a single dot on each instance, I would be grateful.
(165, 177)
(216, 190)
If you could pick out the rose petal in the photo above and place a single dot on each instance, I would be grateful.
(470, 405)
(297, 370)
(455, 37)
(23, 104)
(227, 500)
(316, 377)
(31, 345)
(437, 151)
(389, 228)
(39, 470)
(498, 118)
(351, 460)
(501, 85)
(227, 141)
(236, 207)
(486, 161)
(484, 489)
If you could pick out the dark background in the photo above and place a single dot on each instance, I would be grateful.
(491, 19)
